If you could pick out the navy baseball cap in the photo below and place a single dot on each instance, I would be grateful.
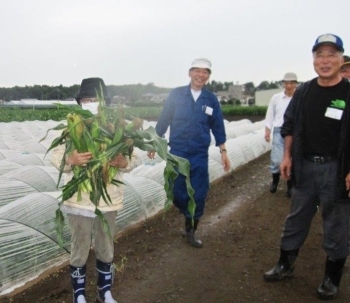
(330, 39)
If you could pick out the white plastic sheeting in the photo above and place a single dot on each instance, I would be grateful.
(29, 196)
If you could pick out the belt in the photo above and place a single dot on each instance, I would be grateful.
(319, 159)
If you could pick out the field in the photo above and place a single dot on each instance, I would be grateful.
(240, 231)
(148, 113)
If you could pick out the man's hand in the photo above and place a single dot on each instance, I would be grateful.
(78, 159)
(119, 161)
(151, 154)
(267, 134)
(286, 168)
(347, 183)
(225, 161)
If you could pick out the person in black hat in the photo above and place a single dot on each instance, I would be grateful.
(345, 68)
(81, 215)
(317, 160)
(87, 95)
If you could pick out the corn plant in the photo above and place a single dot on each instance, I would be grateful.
(106, 135)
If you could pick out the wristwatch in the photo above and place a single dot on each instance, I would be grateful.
(223, 151)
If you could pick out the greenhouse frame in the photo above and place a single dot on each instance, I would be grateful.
(29, 194)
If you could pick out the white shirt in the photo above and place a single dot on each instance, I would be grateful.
(195, 94)
(275, 111)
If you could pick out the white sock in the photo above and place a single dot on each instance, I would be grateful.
(81, 299)
(109, 298)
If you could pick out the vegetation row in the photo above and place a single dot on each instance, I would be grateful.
(148, 113)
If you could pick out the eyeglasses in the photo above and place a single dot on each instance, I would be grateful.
(88, 100)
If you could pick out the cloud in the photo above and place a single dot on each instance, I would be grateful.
(46, 42)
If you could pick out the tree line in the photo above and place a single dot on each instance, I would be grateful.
(131, 92)
(249, 87)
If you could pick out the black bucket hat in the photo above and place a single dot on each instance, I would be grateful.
(90, 87)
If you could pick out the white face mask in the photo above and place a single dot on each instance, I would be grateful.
(91, 106)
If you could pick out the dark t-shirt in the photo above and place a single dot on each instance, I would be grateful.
(322, 112)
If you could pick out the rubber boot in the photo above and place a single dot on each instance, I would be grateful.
(284, 267)
(275, 181)
(191, 228)
(289, 188)
(78, 278)
(105, 276)
(333, 272)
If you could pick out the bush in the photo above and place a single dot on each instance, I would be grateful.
(228, 110)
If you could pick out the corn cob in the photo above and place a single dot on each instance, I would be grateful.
(118, 135)
(76, 129)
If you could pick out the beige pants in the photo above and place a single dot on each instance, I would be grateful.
(83, 229)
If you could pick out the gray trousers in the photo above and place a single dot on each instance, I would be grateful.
(82, 230)
(318, 187)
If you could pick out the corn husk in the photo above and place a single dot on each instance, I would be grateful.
(106, 135)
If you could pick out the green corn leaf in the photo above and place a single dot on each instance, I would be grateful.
(76, 109)
(57, 127)
(117, 182)
(170, 174)
(59, 224)
(105, 195)
(104, 222)
(89, 143)
(56, 142)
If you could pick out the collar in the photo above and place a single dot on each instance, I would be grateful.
(188, 90)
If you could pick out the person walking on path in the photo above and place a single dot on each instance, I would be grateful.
(317, 159)
(273, 123)
(191, 112)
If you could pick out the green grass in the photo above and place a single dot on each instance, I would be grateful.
(229, 110)
(20, 115)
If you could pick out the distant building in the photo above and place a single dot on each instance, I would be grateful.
(263, 97)
(156, 98)
(234, 91)
(119, 100)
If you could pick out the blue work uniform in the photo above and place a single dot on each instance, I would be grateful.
(190, 124)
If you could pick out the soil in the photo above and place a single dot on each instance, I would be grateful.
(240, 231)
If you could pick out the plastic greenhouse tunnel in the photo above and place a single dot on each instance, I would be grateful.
(29, 196)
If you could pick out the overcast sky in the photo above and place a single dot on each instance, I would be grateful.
(142, 41)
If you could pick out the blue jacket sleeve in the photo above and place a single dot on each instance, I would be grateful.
(166, 115)
(217, 125)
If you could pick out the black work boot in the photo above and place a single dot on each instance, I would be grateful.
(289, 188)
(105, 277)
(191, 228)
(333, 272)
(284, 267)
(78, 278)
(274, 184)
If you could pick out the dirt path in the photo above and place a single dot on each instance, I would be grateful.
(240, 230)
